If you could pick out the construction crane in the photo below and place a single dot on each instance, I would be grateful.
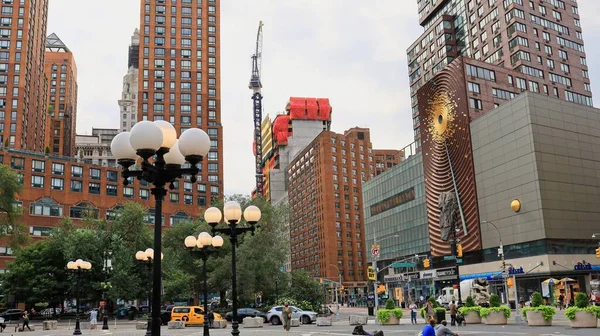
(255, 85)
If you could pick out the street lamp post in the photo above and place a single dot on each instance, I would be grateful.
(105, 285)
(77, 266)
(162, 156)
(147, 257)
(504, 275)
(232, 211)
(202, 247)
(337, 291)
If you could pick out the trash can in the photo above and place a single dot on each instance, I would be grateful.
(440, 315)
(371, 310)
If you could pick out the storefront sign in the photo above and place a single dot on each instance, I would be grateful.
(583, 267)
(446, 272)
(427, 274)
(393, 278)
(393, 201)
(515, 271)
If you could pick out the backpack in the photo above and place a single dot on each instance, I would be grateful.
(359, 330)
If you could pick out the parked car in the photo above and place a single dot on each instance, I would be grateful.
(190, 315)
(12, 314)
(245, 312)
(306, 317)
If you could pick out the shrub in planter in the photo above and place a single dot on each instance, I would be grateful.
(385, 315)
(484, 312)
(581, 315)
(471, 314)
(544, 313)
(469, 302)
(495, 307)
(389, 304)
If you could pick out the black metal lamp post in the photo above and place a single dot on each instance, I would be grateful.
(162, 157)
(233, 215)
(105, 286)
(147, 257)
(202, 246)
(77, 266)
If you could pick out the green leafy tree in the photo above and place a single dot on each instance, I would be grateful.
(38, 274)
(494, 300)
(9, 211)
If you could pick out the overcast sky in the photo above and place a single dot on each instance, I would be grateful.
(350, 51)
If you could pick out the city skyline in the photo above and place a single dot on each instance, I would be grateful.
(339, 57)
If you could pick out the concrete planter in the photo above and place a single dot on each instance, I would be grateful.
(495, 318)
(584, 319)
(392, 321)
(472, 317)
(176, 325)
(537, 319)
(358, 320)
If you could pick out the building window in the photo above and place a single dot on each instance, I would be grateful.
(150, 218)
(474, 87)
(46, 207)
(76, 186)
(58, 169)
(76, 171)
(111, 190)
(127, 192)
(475, 104)
(179, 218)
(94, 188)
(114, 212)
(17, 163)
(38, 166)
(188, 199)
(112, 175)
(144, 194)
(58, 183)
(40, 231)
(174, 197)
(83, 210)
(37, 181)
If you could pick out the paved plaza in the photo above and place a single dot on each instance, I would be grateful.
(125, 328)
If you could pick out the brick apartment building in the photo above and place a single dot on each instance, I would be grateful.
(61, 73)
(57, 187)
(536, 45)
(325, 197)
(179, 73)
(22, 81)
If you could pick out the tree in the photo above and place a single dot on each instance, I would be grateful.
(10, 212)
(37, 274)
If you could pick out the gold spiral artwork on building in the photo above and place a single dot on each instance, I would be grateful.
(441, 112)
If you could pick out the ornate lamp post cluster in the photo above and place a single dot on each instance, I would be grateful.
(147, 257)
(78, 266)
(203, 246)
(162, 156)
(232, 212)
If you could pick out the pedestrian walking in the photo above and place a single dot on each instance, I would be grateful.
(26, 321)
(429, 310)
(287, 317)
(561, 300)
(211, 317)
(421, 301)
(413, 313)
(453, 310)
(93, 318)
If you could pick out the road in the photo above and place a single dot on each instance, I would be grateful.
(124, 328)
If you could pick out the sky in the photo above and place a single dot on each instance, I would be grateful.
(350, 51)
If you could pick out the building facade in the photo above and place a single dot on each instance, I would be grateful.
(23, 85)
(179, 73)
(95, 148)
(542, 43)
(326, 219)
(58, 187)
(386, 159)
(61, 72)
(128, 104)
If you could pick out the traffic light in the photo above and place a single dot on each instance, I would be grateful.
(503, 266)
(459, 250)
(426, 263)
(371, 273)
(598, 252)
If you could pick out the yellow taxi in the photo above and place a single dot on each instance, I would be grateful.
(190, 314)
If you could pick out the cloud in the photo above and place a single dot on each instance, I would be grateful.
(351, 51)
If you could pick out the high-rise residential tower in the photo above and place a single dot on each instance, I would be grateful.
(61, 73)
(326, 215)
(179, 77)
(22, 81)
(537, 45)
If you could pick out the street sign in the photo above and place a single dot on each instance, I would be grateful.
(459, 260)
(375, 251)
(403, 264)
(449, 257)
